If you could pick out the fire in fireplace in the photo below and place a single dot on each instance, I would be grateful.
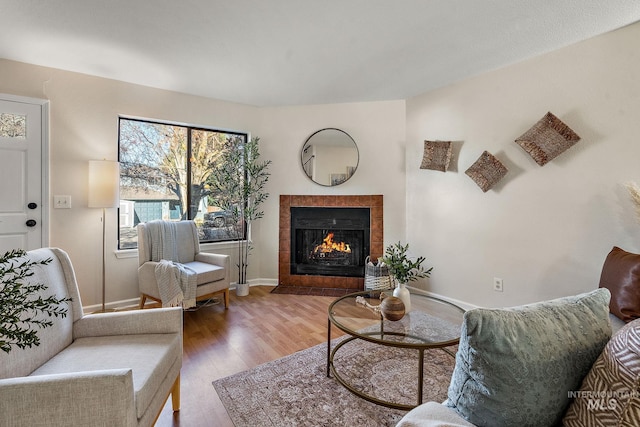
(331, 248)
(329, 241)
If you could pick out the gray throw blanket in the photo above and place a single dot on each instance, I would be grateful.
(176, 282)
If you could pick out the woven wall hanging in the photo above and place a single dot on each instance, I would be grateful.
(547, 139)
(486, 171)
(436, 155)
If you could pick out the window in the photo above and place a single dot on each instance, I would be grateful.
(166, 172)
(13, 126)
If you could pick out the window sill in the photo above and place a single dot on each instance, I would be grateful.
(204, 247)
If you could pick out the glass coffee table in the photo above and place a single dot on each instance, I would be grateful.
(431, 324)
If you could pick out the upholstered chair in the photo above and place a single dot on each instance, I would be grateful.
(212, 271)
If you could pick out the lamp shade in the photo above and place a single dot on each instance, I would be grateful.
(104, 184)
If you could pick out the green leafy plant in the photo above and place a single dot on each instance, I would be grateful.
(237, 185)
(401, 267)
(19, 306)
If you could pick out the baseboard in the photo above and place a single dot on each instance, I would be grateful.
(132, 303)
(464, 305)
(113, 306)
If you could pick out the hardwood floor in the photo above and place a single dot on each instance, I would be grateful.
(255, 329)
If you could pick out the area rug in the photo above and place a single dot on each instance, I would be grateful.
(295, 390)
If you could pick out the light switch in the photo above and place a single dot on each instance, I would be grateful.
(62, 202)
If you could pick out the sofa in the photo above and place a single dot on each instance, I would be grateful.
(573, 361)
(105, 369)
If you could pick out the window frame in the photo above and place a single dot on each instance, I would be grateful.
(190, 129)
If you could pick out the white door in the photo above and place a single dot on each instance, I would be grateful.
(22, 202)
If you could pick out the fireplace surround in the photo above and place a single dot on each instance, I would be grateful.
(346, 211)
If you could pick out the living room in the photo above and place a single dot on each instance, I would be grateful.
(545, 231)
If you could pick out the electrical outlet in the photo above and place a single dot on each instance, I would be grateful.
(497, 284)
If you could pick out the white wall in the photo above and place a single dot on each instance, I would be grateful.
(378, 129)
(544, 230)
(84, 126)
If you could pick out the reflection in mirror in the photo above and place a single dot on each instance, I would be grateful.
(329, 157)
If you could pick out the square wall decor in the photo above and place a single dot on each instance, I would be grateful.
(436, 155)
(547, 139)
(486, 171)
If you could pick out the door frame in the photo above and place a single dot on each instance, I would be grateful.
(44, 157)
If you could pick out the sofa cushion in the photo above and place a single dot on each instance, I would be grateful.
(609, 393)
(515, 366)
(621, 275)
(150, 357)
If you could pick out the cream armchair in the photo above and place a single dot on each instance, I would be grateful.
(107, 369)
(212, 270)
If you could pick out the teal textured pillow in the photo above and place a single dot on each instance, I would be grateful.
(515, 366)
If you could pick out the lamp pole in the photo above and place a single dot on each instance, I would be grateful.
(104, 177)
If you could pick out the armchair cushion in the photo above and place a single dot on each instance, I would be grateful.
(72, 399)
(148, 356)
(152, 321)
(515, 366)
(58, 277)
(206, 273)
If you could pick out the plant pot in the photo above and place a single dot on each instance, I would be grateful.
(242, 289)
(402, 292)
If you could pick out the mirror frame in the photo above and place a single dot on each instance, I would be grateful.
(305, 159)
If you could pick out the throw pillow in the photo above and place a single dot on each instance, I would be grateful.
(515, 366)
(621, 275)
(609, 394)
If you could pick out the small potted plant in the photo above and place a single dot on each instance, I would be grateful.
(404, 270)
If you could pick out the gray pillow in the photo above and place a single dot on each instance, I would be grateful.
(516, 366)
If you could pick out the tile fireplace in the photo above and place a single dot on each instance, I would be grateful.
(324, 240)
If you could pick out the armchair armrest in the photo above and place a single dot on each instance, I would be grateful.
(215, 259)
(151, 321)
(74, 399)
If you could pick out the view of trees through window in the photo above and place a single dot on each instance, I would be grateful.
(166, 173)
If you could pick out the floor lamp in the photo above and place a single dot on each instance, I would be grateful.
(104, 192)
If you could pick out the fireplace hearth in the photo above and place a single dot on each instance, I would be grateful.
(324, 240)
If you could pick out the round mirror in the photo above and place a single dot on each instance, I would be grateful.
(329, 157)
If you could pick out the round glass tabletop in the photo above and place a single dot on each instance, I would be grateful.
(431, 322)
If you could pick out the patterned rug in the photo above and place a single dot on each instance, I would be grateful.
(295, 390)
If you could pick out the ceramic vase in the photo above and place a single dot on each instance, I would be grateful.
(392, 308)
(402, 292)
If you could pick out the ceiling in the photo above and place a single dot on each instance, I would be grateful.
(292, 52)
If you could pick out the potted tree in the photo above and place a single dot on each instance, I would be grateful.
(404, 270)
(20, 306)
(238, 184)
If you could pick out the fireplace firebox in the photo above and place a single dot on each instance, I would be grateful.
(329, 241)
